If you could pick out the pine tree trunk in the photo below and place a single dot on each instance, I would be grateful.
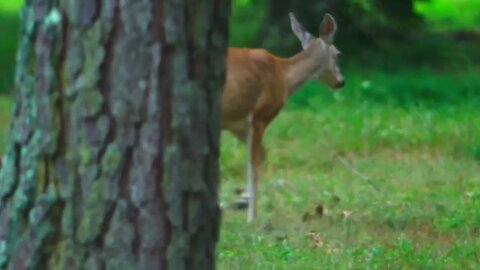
(112, 160)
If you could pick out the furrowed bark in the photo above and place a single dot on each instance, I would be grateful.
(112, 162)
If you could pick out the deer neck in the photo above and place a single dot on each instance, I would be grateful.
(300, 68)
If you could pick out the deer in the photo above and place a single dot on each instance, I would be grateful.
(258, 84)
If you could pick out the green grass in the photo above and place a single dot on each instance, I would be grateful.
(423, 159)
(420, 208)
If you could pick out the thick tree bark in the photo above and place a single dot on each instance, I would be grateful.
(112, 161)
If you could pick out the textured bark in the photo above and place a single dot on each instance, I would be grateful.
(112, 161)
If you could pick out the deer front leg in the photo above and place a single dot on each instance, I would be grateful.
(255, 159)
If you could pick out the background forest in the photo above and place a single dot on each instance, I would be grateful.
(381, 175)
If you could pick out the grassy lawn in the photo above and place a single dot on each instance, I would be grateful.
(419, 209)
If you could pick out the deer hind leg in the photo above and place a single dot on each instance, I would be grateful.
(256, 156)
(243, 132)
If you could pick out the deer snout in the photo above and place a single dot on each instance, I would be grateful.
(340, 84)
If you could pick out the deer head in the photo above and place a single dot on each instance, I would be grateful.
(321, 50)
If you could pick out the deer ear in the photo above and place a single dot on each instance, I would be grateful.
(328, 28)
(303, 35)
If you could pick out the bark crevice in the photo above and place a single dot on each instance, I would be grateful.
(60, 74)
(105, 79)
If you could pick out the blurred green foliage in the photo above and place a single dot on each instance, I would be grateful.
(375, 33)
(361, 21)
(428, 65)
(12, 6)
(368, 15)
(404, 88)
(246, 18)
(9, 20)
(448, 14)
(441, 67)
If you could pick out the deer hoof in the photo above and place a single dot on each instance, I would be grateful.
(241, 203)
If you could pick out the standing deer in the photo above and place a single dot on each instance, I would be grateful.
(259, 83)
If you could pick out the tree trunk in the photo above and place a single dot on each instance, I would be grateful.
(112, 160)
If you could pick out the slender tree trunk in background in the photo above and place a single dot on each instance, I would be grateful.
(276, 33)
(402, 17)
(398, 9)
(112, 161)
(366, 22)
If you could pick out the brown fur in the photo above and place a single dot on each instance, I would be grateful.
(255, 84)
